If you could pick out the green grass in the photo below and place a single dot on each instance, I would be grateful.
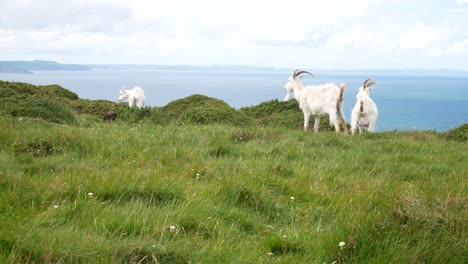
(391, 197)
(107, 190)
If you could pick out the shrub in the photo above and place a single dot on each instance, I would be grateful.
(37, 107)
(459, 134)
(52, 91)
(37, 147)
(26, 100)
(55, 90)
(200, 109)
(106, 110)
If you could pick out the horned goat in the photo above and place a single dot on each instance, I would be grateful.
(136, 97)
(365, 112)
(317, 100)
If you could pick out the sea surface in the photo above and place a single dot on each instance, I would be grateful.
(405, 101)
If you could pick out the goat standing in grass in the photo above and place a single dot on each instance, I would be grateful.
(365, 113)
(136, 97)
(317, 100)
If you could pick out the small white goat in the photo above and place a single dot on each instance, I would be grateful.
(136, 97)
(365, 113)
(317, 100)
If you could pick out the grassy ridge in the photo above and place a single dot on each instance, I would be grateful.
(56, 104)
(108, 192)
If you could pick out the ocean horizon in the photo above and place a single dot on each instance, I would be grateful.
(407, 99)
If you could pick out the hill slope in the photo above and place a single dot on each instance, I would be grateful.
(144, 189)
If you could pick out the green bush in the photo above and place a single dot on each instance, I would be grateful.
(106, 110)
(8, 89)
(200, 109)
(458, 134)
(37, 107)
(194, 109)
(55, 90)
(46, 102)
(37, 147)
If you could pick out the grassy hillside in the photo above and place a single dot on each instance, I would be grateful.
(146, 189)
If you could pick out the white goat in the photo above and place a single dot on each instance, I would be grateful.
(317, 100)
(365, 113)
(136, 97)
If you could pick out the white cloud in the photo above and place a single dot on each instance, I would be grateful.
(419, 37)
(462, 2)
(335, 33)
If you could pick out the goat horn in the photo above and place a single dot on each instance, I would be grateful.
(369, 82)
(297, 73)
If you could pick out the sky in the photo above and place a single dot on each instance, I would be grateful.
(326, 34)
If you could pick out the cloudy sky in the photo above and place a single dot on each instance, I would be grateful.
(326, 34)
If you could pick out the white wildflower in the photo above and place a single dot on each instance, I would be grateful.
(292, 198)
(56, 206)
(284, 236)
(90, 194)
(270, 254)
(341, 244)
(172, 228)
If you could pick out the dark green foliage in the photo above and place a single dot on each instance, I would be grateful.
(200, 109)
(56, 104)
(6, 245)
(459, 134)
(280, 246)
(155, 197)
(104, 109)
(55, 90)
(8, 89)
(26, 100)
(37, 107)
(219, 151)
(42, 146)
(37, 147)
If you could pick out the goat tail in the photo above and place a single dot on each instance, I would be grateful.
(339, 108)
(342, 88)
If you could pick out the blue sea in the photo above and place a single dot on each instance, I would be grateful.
(406, 101)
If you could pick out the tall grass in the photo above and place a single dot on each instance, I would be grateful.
(109, 192)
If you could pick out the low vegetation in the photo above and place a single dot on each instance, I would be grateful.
(169, 185)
